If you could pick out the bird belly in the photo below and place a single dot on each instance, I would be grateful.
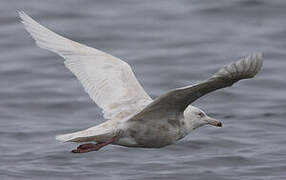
(147, 135)
(127, 141)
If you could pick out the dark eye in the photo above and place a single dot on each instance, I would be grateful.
(201, 114)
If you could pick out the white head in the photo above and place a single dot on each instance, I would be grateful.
(194, 118)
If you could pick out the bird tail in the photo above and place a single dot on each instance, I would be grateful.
(69, 137)
(101, 133)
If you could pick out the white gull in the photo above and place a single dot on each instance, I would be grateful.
(133, 118)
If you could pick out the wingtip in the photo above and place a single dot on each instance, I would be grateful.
(244, 68)
(23, 16)
(260, 57)
(257, 57)
(21, 13)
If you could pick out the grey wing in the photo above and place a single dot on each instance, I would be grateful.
(178, 99)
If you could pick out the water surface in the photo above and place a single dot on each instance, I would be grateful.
(169, 44)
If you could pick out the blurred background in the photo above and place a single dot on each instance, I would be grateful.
(169, 44)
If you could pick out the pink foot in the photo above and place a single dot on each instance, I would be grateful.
(87, 148)
(93, 147)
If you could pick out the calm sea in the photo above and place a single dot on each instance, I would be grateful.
(169, 44)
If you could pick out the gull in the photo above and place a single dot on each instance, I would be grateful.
(133, 118)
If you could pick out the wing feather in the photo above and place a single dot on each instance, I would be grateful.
(109, 81)
(177, 100)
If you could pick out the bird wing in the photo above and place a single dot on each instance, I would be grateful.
(109, 81)
(177, 100)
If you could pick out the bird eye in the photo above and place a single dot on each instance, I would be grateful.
(201, 114)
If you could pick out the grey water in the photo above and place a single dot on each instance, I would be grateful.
(169, 44)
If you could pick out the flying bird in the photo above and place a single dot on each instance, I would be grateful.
(134, 119)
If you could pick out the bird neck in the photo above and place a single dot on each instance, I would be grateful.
(185, 128)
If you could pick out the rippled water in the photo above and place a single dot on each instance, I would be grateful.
(169, 44)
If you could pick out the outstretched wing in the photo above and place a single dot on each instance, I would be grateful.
(108, 80)
(177, 100)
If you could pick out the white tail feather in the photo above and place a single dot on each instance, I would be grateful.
(101, 132)
(67, 137)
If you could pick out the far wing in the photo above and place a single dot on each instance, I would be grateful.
(108, 80)
(177, 100)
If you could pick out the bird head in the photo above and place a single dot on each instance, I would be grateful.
(195, 118)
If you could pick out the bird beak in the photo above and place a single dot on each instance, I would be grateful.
(213, 122)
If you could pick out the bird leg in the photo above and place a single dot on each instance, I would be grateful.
(94, 147)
